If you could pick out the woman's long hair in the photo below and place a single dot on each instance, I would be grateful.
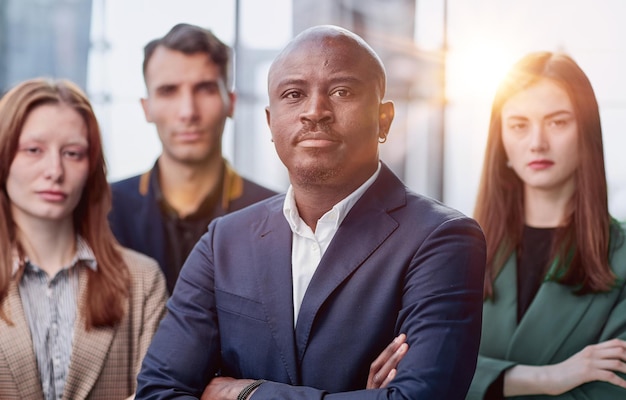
(109, 286)
(581, 245)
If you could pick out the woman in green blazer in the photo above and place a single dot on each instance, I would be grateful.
(554, 319)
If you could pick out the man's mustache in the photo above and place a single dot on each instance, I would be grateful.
(318, 130)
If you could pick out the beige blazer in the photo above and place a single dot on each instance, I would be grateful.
(105, 361)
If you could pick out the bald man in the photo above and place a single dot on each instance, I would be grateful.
(296, 296)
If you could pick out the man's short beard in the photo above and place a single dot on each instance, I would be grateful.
(314, 175)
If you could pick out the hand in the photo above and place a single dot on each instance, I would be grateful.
(383, 369)
(597, 362)
(224, 388)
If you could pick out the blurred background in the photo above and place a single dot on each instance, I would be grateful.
(444, 59)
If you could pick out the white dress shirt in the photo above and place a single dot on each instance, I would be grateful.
(308, 246)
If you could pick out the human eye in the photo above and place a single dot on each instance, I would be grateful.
(341, 92)
(31, 150)
(559, 122)
(517, 126)
(75, 154)
(292, 94)
(166, 90)
(208, 87)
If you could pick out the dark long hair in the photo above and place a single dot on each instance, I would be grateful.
(581, 246)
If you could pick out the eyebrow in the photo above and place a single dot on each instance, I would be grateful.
(165, 86)
(204, 82)
(289, 82)
(548, 116)
(558, 113)
(36, 138)
(332, 81)
(349, 79)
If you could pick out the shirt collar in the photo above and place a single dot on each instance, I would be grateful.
(335, 214)
(228, 189)
(84, 254)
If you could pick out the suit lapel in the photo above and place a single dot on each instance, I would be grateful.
(552, 317)
(17, 346)
(369, 222)
(89, 350)
(274, 271)
(559, 313)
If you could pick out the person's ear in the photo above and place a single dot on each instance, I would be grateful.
(145, 105)
(386, 112)
(268, 118)
(232, 99)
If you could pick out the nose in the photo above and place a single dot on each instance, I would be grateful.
(54, 168)
(538, 139)
(187, 107)
(317, 109)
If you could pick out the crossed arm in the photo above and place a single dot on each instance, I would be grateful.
(598, 362)
(382, 371)
(439, 313)
(595, 369)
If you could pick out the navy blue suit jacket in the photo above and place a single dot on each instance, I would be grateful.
(399, 263)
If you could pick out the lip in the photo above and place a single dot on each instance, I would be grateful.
(52, 195)
(540, 164)
(316, 141)
(188, 136)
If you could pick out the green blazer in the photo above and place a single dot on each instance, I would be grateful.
(557, 325)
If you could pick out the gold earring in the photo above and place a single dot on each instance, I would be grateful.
(382, 139)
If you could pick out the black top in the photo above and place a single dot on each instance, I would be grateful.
(533, 257)
(183, 233)
(532, 265)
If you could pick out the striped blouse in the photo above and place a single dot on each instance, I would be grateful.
(50, 305)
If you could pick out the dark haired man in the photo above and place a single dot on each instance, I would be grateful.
(163, 212)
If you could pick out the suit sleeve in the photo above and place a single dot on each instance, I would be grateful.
(615, 328)
(184, 353)
(488, 368)
(441, 315)
(441, 309)
(487, 371)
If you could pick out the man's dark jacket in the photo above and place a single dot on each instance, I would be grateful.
(138, 223)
